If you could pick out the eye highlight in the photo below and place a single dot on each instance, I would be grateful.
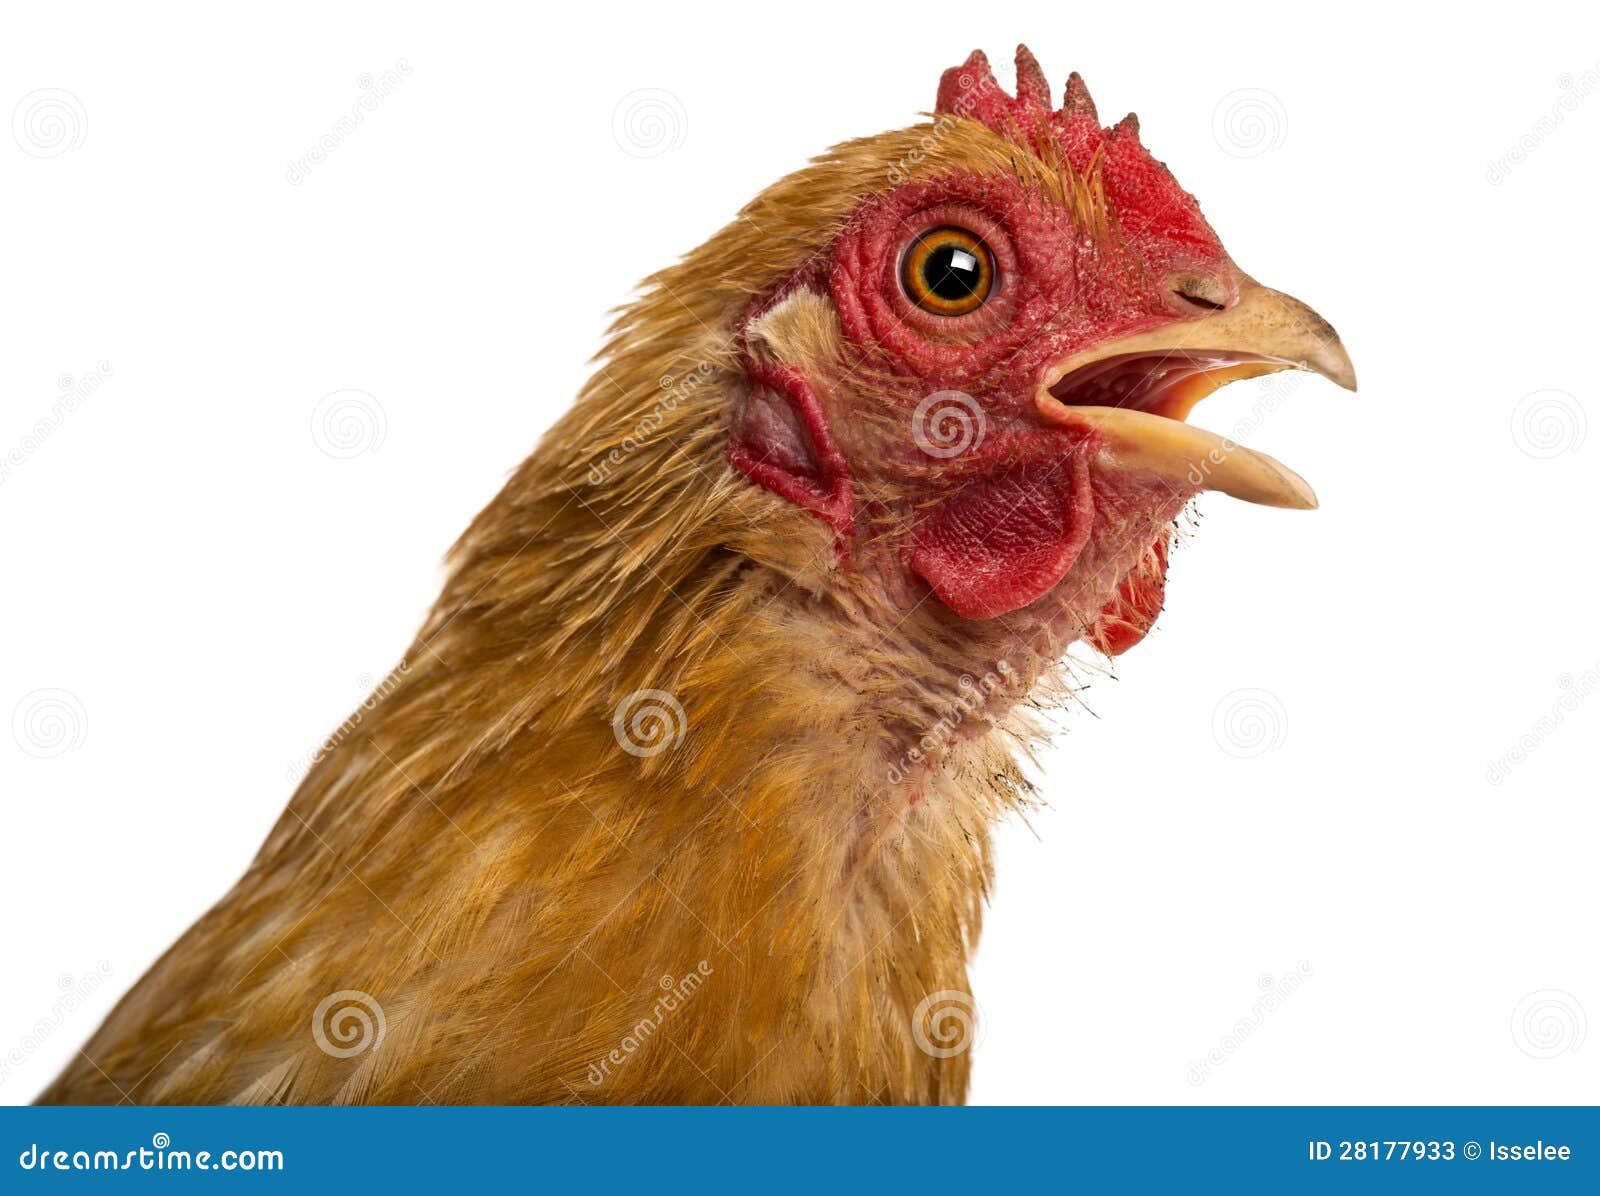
(948, 271)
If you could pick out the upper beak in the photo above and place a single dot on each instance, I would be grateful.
(1147, 383)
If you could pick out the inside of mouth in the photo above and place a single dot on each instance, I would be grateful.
(1167, 383)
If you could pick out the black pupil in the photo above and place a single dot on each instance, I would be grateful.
(952, 273)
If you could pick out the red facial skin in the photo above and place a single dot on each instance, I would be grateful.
(1005, 521)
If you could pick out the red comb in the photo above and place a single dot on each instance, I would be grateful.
(1139, 189)
(970, 90)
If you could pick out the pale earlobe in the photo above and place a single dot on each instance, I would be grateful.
(779, 439)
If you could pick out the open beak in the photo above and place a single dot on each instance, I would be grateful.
(1137, 391)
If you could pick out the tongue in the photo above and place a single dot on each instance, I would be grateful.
(1006, 539)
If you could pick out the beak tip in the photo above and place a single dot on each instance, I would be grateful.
(1292, 491)
(1334, 364)
(1304, 497)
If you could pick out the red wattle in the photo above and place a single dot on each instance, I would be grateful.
(1128, 617)
(1008, 538)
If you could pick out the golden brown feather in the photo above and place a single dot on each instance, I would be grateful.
(518, 894)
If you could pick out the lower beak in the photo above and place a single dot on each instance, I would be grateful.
(1137, 391)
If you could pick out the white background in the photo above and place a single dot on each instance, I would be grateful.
(203, 592)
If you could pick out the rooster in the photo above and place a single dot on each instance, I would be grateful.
(684, 791)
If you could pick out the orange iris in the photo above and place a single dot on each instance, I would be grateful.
(948, 271)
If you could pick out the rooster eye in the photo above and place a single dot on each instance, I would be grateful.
(948, 271)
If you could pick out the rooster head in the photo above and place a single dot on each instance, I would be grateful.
(980, 378)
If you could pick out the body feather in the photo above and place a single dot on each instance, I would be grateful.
(517, 896)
